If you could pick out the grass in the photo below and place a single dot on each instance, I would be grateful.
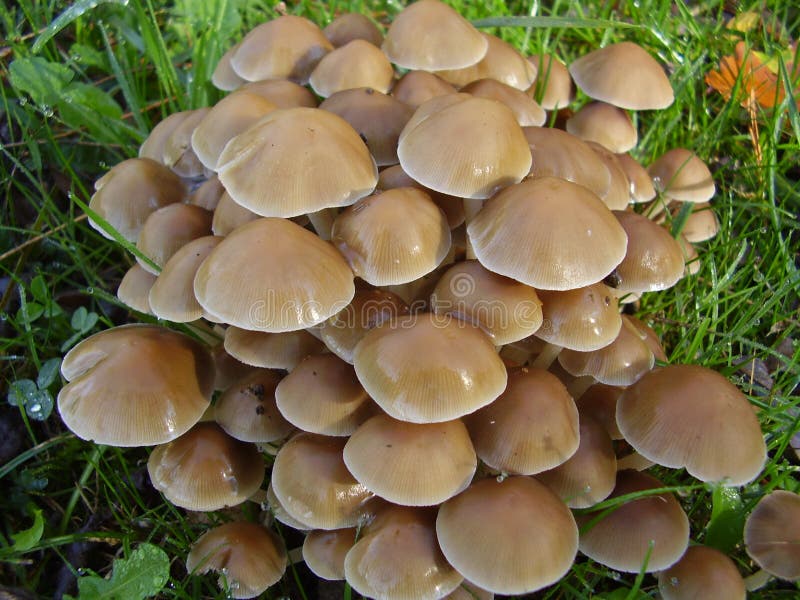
(89, 99)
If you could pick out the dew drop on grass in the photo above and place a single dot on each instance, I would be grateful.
(23, 101)
(35, 408)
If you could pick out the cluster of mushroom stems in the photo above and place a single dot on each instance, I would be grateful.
(433, 352)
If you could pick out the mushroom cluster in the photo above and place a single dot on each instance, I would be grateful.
(435, 351)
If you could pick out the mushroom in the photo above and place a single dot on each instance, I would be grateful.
(135, 287)
(356, 64)
(353, 26)
(271, 350)
(502, 62)
(703, 571)
(604, 124)
(772, 534)
(324, 552)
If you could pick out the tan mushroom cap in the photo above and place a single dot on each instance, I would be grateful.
(605, 124)
(701, 570)
(228, 370)
(680, 175)
(622, 362)
(178, 154)
(130, 192)
(342, 332)
(304, 282)
(224, 77)
(353, 26)
(641, 184)
(250, 556)
(247, 410)
(392, 237)
(701, 225)
(282, 93)
(305, 159)
(469, 591)
(134, 288)
(553, 83)
(430, 462)
(271, 350)
(624, 75)
(207, 194)
(356, 64)
(548, 233)
(599, 402)
(589, 475)
(378, 118)
(506, 309)
(618, 193)
(501, 62)
(417, 87)
(424, 368)
(312, 483)
(689, 416)
(509, 537)
(654, 525)
(324, 552)
(153, 145)
(287, 47)
(228, 118)
(228, 216)
(530, 428)
(772, 534)
(322, 395)
(135, 385)
(453, 207)
(172, 295)
(653, 261)
(398, 558)
(690, 257)
(206, 469)
(430, 36)
(280, 513)
(470, 148)
(526, 110)
(584, 319)
(170, 228)
(649, 336)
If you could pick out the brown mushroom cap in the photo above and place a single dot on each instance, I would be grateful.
(134, 288)
(654, 525)
(501, 62)
(305, 160)
(583, 319)
(470, 147)
(251, 557)
(207, 194)
(229, 216)
(417, 87)
(224, 77)
(430, 462)
(599, 402)
(170, 228)
(641, 184)
(453, 207)
(624, 75)
(553, 83)
(356, 64)
(280, 513)
(530, 428)
(324, 552)
(282, 93)
(702, 572)
(609, 126)
(701, 224)
(424, 368)
(135, 385)
(398, 558)
(353, 26)
(548, 233)
(271, 350)
(772, 534)
(526, 110)
(206, 469)
(680, 175)
(153, 145)
(509, 537)
(618, 193)
(287, 47)
(689, 416)
(430, 36)
(304, 282)
(177, 152)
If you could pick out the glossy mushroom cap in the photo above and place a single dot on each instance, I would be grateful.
(205, 469)
(247, 411)
(271, 350)
(417, 87)
(641, 184)
(526, 110)
(509, 537)
(353, 26)
(170, 228)
(605, 124)
(583, 319)
(624, 75)
(680, 175)
(251, 557)
(224, 77)
(282, 93)
(135, 385)
(134, 288)
(689, 416)
(452, 206)
(324, 552)
(354, 65)
(502, 62)
(703, 571)
(772, 534)
(553, 83)
(304, 282)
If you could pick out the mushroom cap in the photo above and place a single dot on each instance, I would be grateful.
(304, 282)
(324, 552)
(622, 539)
(424, 368)
(607, 125)
(772, 534)
(548, 233)
(287, 47)
(453, 207)
(553, 83)
(271, 350)
(507, 310)
(600, 403)
(134, 288)
(430, 36)
(680, 175)
(168, 229)
(322, 395)
(641, 184)
(530, 428)
(229, 216)
(356, 64)
(250, 556)
(701, 570)
(247, 411)
(224, 77)
(417, 87)
(398, 558)
(618, 193)
(130, 192)
(353, 26)
(153, 145)
(207, 194)
(430, 462)
(313, 485)
(305, 159)
(205, 469)
(177, 152)
(280, 513)
(464, 146)
(282, 93)
(392, 237)
(584, 319)
(502, 62)
(689, 416)
(701, 224)
(625, 75)
(526, 110)
(509, 537)
(135, 385)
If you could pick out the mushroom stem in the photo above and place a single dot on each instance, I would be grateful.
(546, 357)
(322, 221)
(757, 580)
(296, 555)
(579, 385)
(471, 208)
(635, 461)
(515, 354)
